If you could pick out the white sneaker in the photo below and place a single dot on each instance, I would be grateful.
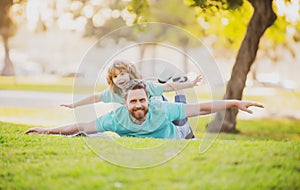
(179, 78)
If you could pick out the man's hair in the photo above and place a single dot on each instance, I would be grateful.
(117, 67)
(135, 84)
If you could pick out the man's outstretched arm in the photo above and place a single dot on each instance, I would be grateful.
(218, 105)
(88, 128)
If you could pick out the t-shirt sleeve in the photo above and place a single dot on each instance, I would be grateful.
(105, 123)
(105, 96)
(175, 111)
(154, 89)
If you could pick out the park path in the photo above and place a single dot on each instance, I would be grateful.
(43, 108)
(15, 98)
(48, 105)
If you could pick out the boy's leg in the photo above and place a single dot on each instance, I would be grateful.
(180, 97)
(185, 131)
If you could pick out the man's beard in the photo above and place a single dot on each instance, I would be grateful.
(139, 113)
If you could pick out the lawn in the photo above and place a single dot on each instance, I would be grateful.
(264, 155)
(266, 159)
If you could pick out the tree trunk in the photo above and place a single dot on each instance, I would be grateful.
(184, 44)
(8, 68)
(262, 18)
(142, 55)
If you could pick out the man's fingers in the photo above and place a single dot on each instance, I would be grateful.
(249, 111)
(246, 110)
(28, 131)
(249, 104)
(259, 105)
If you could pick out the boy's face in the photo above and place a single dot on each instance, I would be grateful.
(137, 104)
(120, 78)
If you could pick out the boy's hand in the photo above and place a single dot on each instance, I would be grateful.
(71, 106)
(197, 80)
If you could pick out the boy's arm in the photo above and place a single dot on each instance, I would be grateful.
(218, 105)
(89, 100)
(168, 87)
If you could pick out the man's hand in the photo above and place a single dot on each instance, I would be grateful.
(37, 130)
(242, 105)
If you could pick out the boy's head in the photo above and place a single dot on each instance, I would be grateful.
(120, 66)
(134, 85)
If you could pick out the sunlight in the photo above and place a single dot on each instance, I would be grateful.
(289, 9)
(98, 20)
(42, 10)
(88, 11)
(66, 21)
(225, 21)
(106, 13)
(80, 23)
(32, 13)
(115, 13)
(76, 5)
(96, 2)
(127, 16)
(203, 23)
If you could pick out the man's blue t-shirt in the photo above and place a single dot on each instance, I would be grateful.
(157, 125)
(154, 89)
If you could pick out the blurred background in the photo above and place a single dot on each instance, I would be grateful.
(44, 42)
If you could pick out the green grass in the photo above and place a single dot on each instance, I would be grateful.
(266, 129)
(247, 161)
(256, 129)
(264, 155)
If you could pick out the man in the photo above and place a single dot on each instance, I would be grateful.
(141, 117)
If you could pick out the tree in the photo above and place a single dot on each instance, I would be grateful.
(6, 31)
(262, 18)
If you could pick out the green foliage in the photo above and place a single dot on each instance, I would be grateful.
(228, 25)
(140, 8)
(215, 4)
(59, 162)
(238, 13)
(277, 33)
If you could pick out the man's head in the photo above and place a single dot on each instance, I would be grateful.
(136, 100)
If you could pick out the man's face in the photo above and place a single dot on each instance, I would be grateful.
(137, 104)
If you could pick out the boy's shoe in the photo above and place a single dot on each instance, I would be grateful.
(179, 78)
(165, 76)
(190, 135)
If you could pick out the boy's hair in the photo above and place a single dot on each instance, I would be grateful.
(134, 85)
(121, 66)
